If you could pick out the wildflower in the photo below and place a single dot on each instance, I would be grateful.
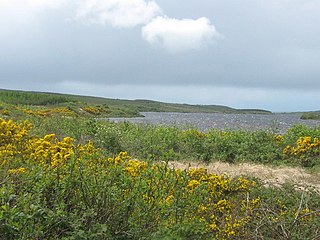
(169, 199)
(197, 173)
(17, 170)
(49, 137)
(279, 138)
(193, 184)
(202, 209)
(135, 167)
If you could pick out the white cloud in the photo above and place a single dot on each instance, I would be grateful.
(179, 35)
(173, 34)
(118, 13)
(33, 4)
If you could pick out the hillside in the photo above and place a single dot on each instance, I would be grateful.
(110, 107)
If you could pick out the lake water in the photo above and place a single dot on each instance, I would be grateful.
(279, 122)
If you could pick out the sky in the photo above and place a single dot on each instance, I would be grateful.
(243, 54)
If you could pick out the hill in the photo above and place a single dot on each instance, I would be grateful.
(110, 107)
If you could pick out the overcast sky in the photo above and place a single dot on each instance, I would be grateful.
(240, 53)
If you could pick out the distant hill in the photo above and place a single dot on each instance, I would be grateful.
(114, 107)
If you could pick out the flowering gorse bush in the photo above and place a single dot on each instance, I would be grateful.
(18, 147)
(63, 111)
(13, 139)
(94, 110)
(307, 149)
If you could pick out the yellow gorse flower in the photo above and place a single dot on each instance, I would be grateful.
(51, 152)
(17, 170)
(135, 167)
(169, 199)
(193, 184)
(49, 112)
(279, 138)
(197, 173)
(12, 138)
(304, 146)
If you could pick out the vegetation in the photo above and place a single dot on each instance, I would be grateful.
(114, 107)
(48, 104)
(311, 115)
(32, 98)
(66, 175)
(299, 146)
(55, 188)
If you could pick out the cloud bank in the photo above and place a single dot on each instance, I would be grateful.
(179, 35)
(118, 13)
(175, 35)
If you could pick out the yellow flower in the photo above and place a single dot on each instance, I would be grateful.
(197, 173)
(202, 209)
(135, 167)
(17, 170)
(213, 226)
(193, 184)
(49, 137)
(279, 138)
(169, 199)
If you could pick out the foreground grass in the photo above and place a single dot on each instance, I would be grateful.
(69, 178)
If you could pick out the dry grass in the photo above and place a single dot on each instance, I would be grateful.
(270, 176)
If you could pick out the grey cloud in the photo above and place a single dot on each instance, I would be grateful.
(270, 45)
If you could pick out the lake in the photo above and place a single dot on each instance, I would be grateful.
(278, 122)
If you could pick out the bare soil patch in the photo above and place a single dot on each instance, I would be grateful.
(270, 176)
